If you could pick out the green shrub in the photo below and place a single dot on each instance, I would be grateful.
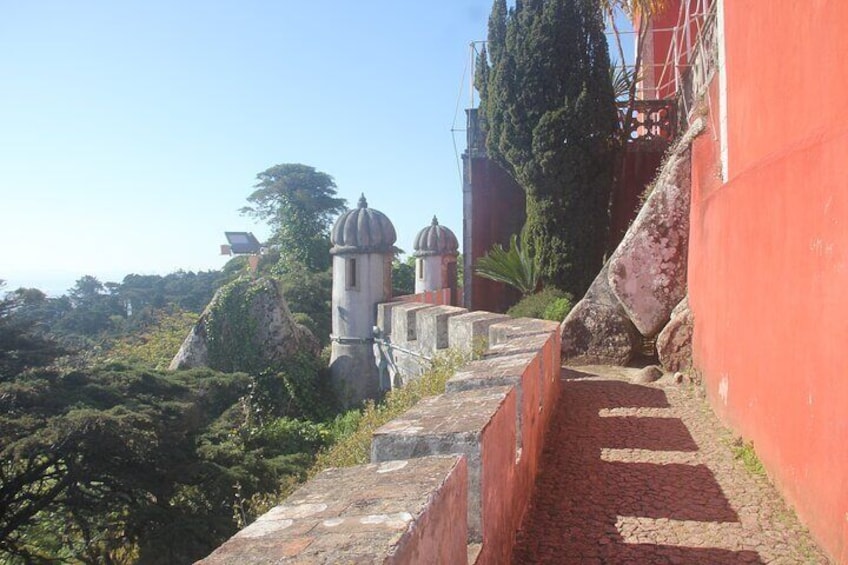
(548, 304)
(558, 309)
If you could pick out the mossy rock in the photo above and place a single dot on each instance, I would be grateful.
(246, 327)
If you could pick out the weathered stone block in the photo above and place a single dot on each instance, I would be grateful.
(598, 334)
(518, 327)
(479, 424)
(394, 512)
(432, 327)
(384, 317)
(277, 336)
(403, 321)
(529, 343)
(490, 372)
(518, 371)
(648, 374)
(468, 331)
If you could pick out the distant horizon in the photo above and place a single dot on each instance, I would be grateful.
(57, 283)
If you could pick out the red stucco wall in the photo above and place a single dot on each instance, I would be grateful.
(641, 163)
(768, 271)
(497, 213)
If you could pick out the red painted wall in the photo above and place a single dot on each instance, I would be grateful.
(641, 163)
(768, 258)
(497, 212)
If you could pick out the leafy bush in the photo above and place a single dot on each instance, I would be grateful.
(287, 435)
(308, 293)
(296, 388)
(548, 304)
(558, 309)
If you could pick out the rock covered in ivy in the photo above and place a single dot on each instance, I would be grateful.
(246, 327)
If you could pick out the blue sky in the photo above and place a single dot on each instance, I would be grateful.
(131, 132)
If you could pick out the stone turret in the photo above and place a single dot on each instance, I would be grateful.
(436, 249)
(363, 246)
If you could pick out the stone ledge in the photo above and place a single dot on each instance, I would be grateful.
(393, 512)
(519, 327)
(529, 343)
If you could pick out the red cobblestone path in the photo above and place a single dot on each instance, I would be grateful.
(645, 474)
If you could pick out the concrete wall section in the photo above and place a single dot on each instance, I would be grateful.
(526, 363)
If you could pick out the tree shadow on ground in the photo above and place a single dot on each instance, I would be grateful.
(580, 497)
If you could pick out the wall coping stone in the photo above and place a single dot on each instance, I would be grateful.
(517, 327)
(450, 423)
(530, 343)
(376, 513)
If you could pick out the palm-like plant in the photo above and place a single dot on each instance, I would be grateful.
(621, 78)
(514, 266)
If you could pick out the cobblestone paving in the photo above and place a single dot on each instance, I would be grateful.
(645, 474)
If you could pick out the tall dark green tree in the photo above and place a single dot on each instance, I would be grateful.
(300, 204)
(22, 346)
(550, 116)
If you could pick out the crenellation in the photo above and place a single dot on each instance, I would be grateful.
(467, 331)
(432, 327)
(404, 321)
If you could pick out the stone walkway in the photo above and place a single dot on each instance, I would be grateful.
(645, 474)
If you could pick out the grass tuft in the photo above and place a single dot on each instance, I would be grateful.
(744, 451)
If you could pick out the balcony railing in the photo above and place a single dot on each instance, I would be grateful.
(650, 121)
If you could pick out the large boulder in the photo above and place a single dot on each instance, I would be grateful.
(247, 326)
(674, 344)
(597, 330)
(647, 272)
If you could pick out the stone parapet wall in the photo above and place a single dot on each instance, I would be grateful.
(460, 465)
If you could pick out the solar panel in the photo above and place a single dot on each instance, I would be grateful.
(242, 242)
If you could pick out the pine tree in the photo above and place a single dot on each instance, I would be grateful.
(549, 110)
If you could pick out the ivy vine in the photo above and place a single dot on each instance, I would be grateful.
(231, 328)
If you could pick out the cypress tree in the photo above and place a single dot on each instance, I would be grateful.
(550, 114)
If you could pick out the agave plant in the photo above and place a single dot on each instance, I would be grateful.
(514, 266)
(621, 78)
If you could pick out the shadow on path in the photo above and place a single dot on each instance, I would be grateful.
(600, 498)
